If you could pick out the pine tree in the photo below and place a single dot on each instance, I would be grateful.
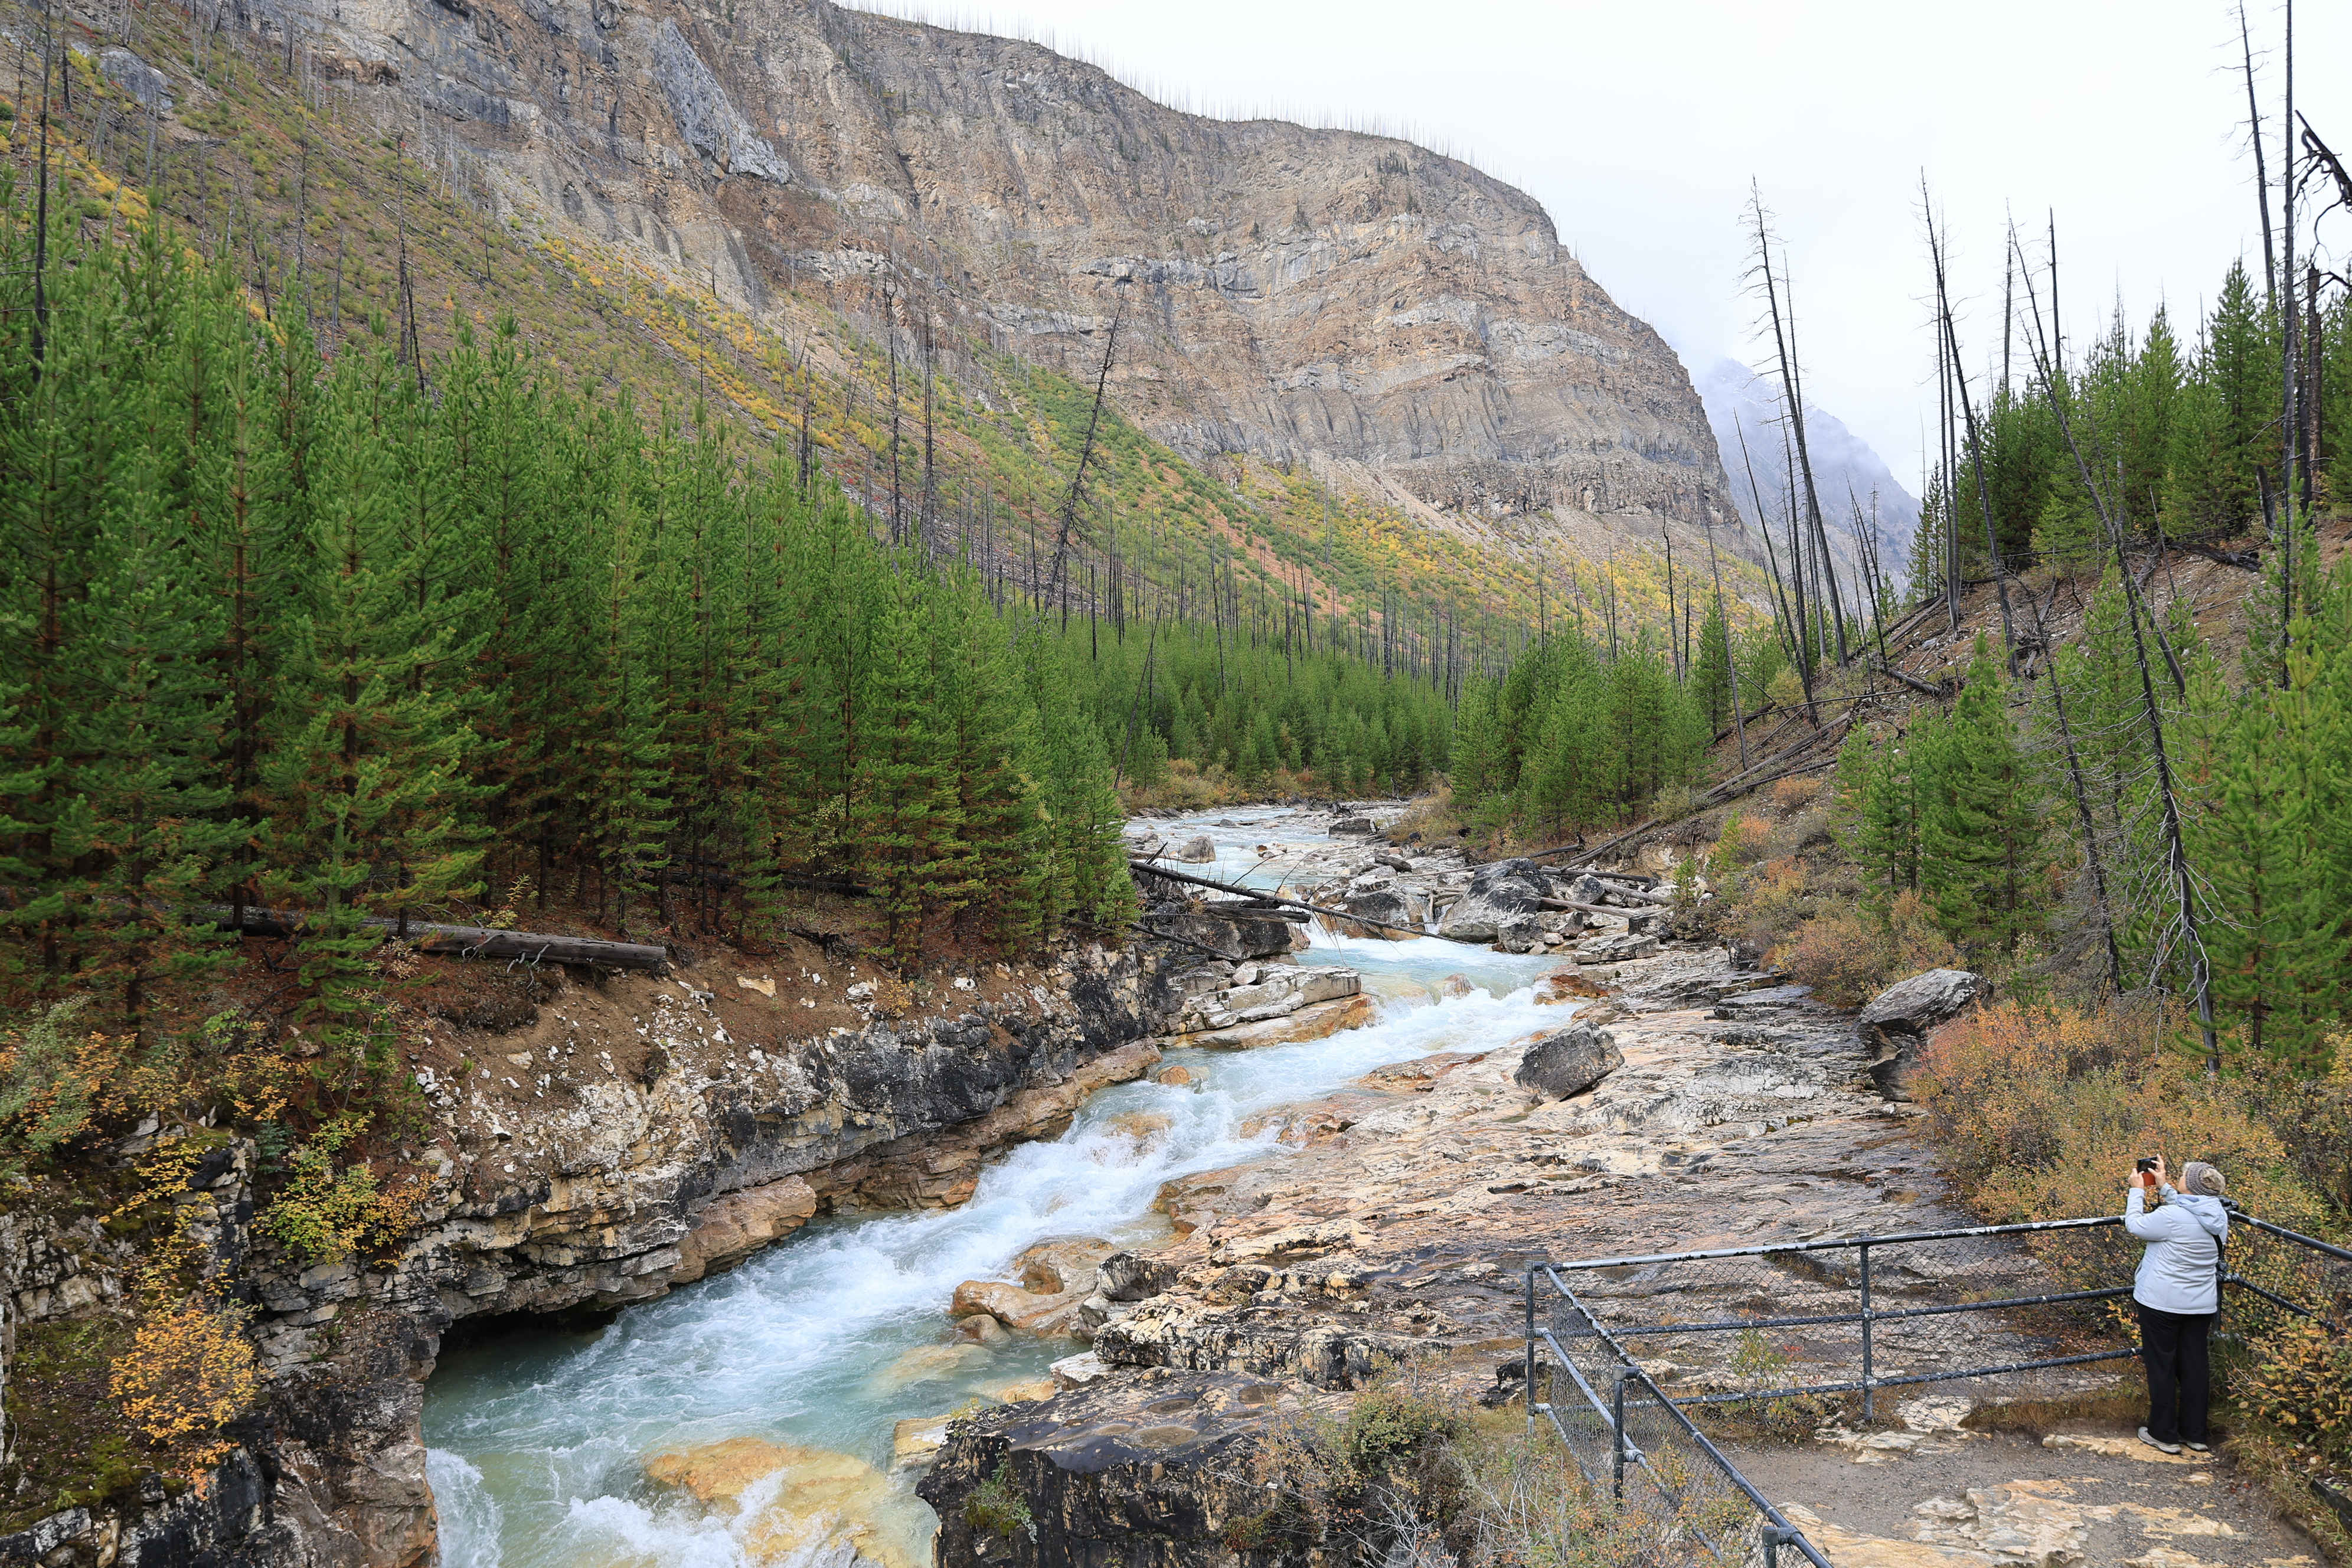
(906, 813)
(1568, 776)
(366, 780)
(1711, 681)
(1980, 830)
(1881, 816)
(2248, 827)
(992, 758)
(1476, 764)
(623, 764)
(153, 797)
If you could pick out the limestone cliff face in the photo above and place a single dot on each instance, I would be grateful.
(1283, 291)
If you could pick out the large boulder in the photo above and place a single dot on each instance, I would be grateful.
(1499, 890)
(733, 1226)
(1568, 1062)
(1896, 1022)
(1620, 948)
(1316, 1021)
(1133, 1276)
(1276, 991)
(135, 76)
(1199, 851)
(1386, 905)
(1232, 937)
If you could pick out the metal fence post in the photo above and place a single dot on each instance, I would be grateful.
(1617, 1439)
(1528, 1394)
(1867, 1411)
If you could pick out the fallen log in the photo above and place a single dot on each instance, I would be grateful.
(1649, 895)
(1151, 871)
(467, 942)
(1937, 689)
(1613, 910)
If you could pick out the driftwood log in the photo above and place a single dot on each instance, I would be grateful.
(1145, 867)
(469, 941)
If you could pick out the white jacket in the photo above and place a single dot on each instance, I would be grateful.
(2181, 1270)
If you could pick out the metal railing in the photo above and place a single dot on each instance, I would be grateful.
(1836, 1317)
(1686, 1489)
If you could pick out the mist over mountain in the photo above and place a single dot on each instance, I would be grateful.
(1846, 471)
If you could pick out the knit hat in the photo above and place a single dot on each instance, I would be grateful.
(2202, 1179)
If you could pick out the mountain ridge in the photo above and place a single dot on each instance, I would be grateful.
(1287, 293)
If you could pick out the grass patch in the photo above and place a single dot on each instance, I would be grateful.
(71, 1443)
(995, 1507)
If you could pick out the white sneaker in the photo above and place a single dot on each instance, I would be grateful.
(2160, 1445)
(2198, 1448)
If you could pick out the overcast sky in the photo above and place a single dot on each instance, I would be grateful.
(1639, 125)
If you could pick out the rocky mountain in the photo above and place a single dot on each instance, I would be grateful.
(1845, 469)
(1399, 320)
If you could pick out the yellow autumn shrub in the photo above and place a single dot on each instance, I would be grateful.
(189, 1372)
(2302, 1384)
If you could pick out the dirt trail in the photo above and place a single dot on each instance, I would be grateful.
(2082, 1496)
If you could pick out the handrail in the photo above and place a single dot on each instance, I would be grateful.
(1788, 1535)
(2312, 1242)
(1777, 1530)
(1895, 1239)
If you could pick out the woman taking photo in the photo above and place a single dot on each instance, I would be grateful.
(2178, 1290)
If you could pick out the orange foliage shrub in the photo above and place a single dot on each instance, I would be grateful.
(1848, 958)
(1743, 840)
(189, 1372)
(1796, 794)
(2040, 1112)
(1842, 957)
(2303, 1384)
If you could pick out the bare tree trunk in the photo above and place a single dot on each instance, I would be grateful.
(1779, 595)
(2262, 179)
(1068, 516)
(1730, 664)
(926, 523)
(2296, 495)
(1976, 441)
(890, 336)
(2082, 807)
(2176, 854)
(1793, 390)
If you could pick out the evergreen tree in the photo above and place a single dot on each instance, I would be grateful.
(1981, 830)
(1476, 764)
(1711, 677)
(907, 815)
(366, 781)
(1881, 816)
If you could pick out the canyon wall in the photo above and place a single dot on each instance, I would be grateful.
(593, 1142)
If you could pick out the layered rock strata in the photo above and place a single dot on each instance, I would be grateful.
(1348, 300)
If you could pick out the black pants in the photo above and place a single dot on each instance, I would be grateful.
(2180, 1379)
